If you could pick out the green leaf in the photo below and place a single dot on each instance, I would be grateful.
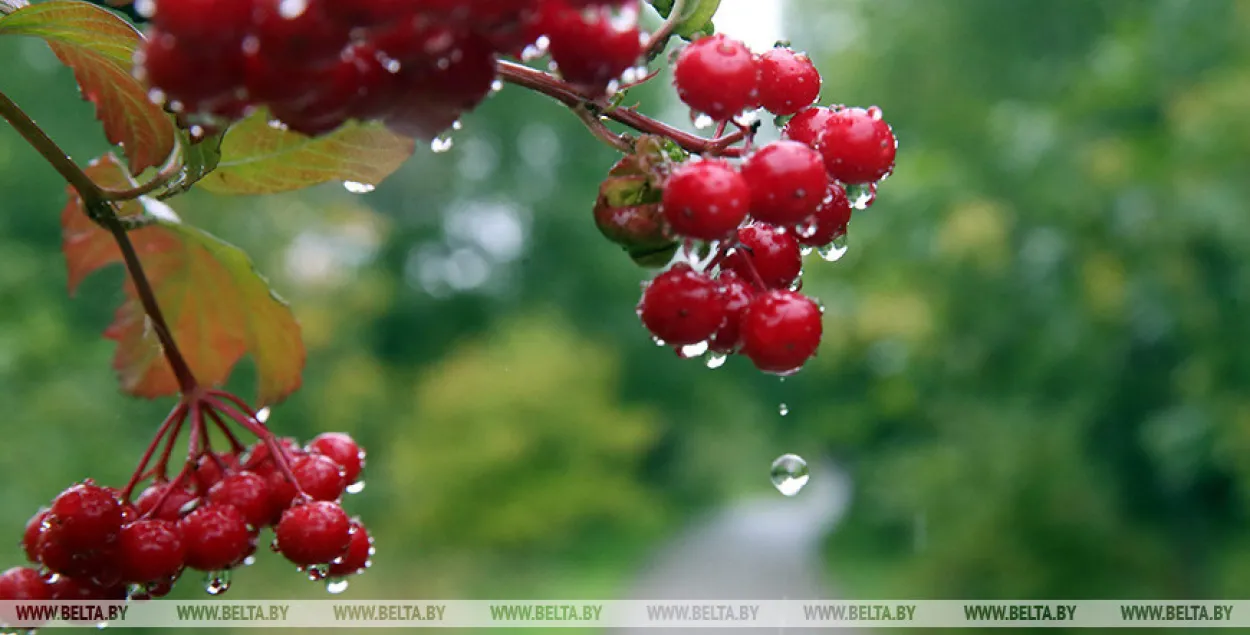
(696, 16)
(199, 157)
(216, 304)
(259, 158)
(99, 47)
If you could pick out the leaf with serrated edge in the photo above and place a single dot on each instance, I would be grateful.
(99, 47)
(217, 306)
(258, 158)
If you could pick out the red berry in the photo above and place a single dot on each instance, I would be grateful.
(590, 46)
(298, 32)
(313, 533)
(190, 20)
(208, 470)
(717, 76)
(735, 294)
(281, 493)
(342, 449)
(259, 460)
(789, 82)
(69, 588)
(787, 181)
(216, 537)
(807, 124)
(356, 557)
(705, 200)
(193, 77)
(97, 565)
(30, 537)
(780, 330)
(246, 492)
(171, 509)
(858, 145)
(439, 89)
(23, 583)
(773, 254)
(681, 306)
(88, 517)
(829, 221)
(319, 476)
(151, 550)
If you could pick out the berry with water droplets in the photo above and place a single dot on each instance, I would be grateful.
(735, 294)
(171, 508)
(30, 537)
(805, 126)
(706, 200)
(772, 253)
(789, 82)
(717, 76)
(781, 329)
(88, 517)
(247, 492)
(341, 449)
(23, 583)
(355, 558)
(314, 533)
(858, 145)
(590, 46)
(216, 537)
(319, 476)
(151, 550)
(681, 306)
(787, 181)
(829, 221)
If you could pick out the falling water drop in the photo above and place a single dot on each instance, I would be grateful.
(356, 187)
(262, 415)
(356, 488)
(716, 360)
(335, 586)
(441, 143)
(834, 251)
(217, 582)
(783, 409)
(789, 474)
(861, 196)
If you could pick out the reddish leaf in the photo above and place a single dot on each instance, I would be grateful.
(217, 306)
(99, 47)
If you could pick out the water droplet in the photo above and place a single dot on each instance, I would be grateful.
(356, 187)
(262, 415)
(291, 9)
(716, 360)
(441, 143)
(217, 582)
(783, 409)
(702, 121)
(101, 625)
(875, 113)
(535, 50)
(834, 251)
(861, 196)
(456, 125)
(145, 8)
(356, 488)
(335, 586)
(317, 572)
(249, 561)
(157, 96)
(693, 350)
(658, 341)
(496, 86)
(789, 474)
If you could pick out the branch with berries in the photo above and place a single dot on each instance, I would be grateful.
(270, 96)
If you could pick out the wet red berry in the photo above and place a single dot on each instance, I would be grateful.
(216, 537)
(772, 253)
(829, 221)
(590, 46)
(735, 294)
(88, 517)
(807, 124)
(681, 306)
(246, 492)
(858, 146)
(151, 550)
(789, 82)
(23, 583)
(787, 181)
(355, 558)
(706, 200)
(780, 330)
(717, 76)
(175, 504)
(319, 476)
(313, 533)
(341, 449)
(30, 537)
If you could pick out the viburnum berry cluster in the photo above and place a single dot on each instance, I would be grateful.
(96, 543)
(416, 65)
(739, 230)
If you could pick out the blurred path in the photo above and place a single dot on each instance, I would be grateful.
(760, 549)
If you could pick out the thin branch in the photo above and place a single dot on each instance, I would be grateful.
(100, 209)
(176, 415)
(173, 165)
(595, 125)
(540, 82)
(659, 38)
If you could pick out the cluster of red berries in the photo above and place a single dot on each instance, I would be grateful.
(757, 217)
(416, 65)
(93, 544)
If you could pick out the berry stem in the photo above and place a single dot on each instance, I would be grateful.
(235, 445)
(99, 208)
(594, 123)
(742, 253)
(176, 415)
(162, 463)
(659, 38)
(551, 86)
(248, 420)
(172, 166)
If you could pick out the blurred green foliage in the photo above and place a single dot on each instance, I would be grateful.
(1035, 359)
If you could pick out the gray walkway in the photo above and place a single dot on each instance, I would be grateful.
(762, 549)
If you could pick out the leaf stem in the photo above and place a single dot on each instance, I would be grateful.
(561, 91)
(99, 208)
(659, 38)
(173, 165)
